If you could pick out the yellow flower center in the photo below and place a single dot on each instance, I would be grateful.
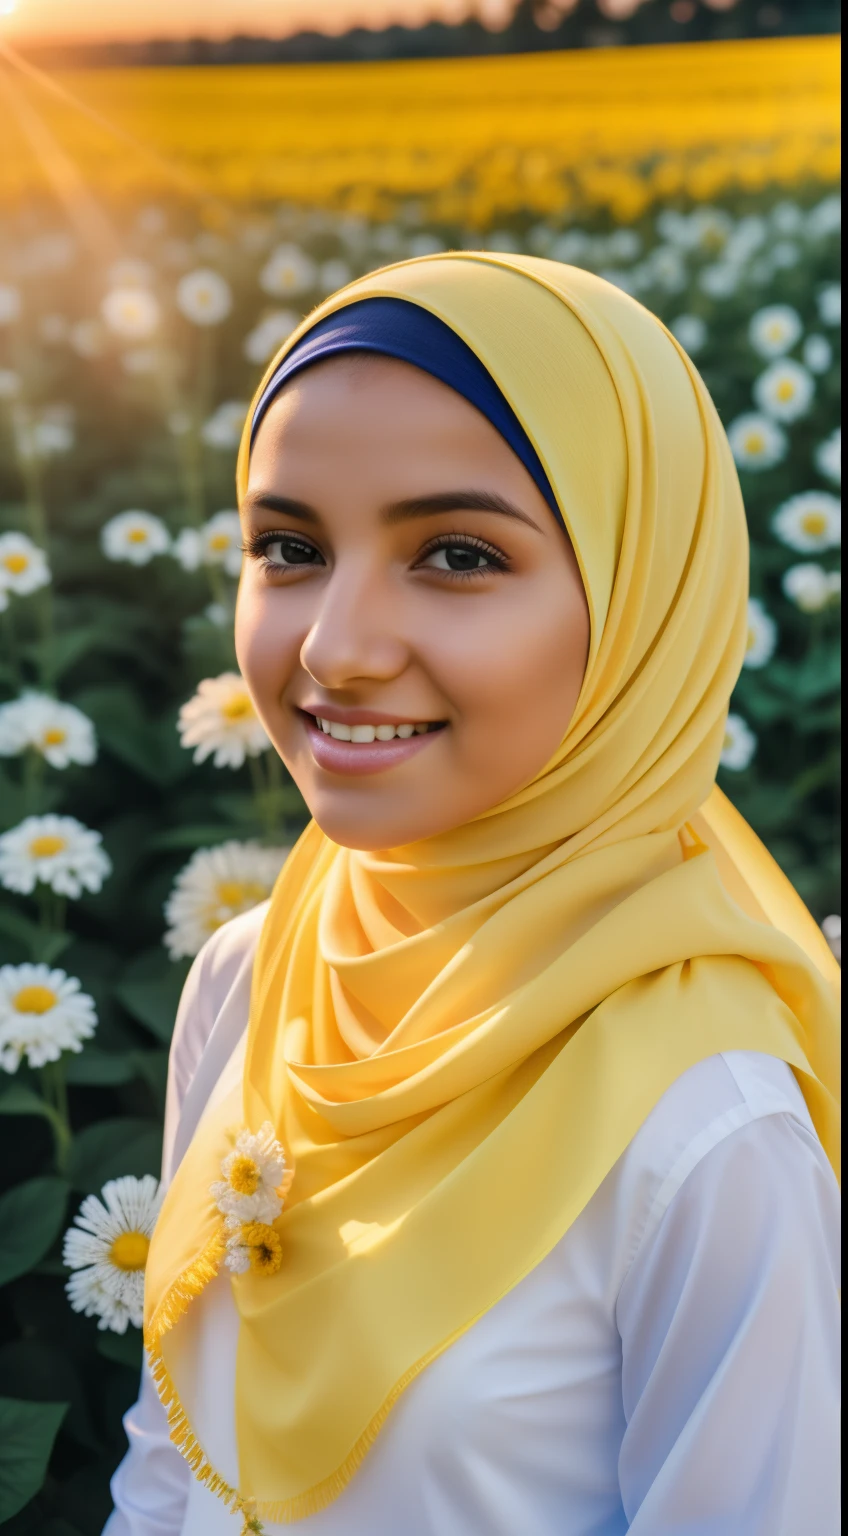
(220, 541)
(244, 1176)
(785, 389)
(752, 640)
(775, 331)
(16, 564)
(728, 740)
(129, 1251)
(54, 736)
(266, 1250)
(137, 535)
(34, 1000)
(755, 442)
(237, 707)
(45, 847)
(239, 893)
(814, 523)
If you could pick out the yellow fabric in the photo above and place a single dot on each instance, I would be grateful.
(456, 1040)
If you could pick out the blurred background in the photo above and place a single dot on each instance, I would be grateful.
(181, 181)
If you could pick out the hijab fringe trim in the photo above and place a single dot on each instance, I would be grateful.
(313, 1500)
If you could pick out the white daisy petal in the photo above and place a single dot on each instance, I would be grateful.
(131, 311)
(61, 733)
(135, 537)
(220, 722)
(107, 1249)
(204, 297)
(757, 442)
(740, 744)
(217, 884)
(56, 850)
(810, 523)
(288, 271)
(220, 540)
(785, 391)
(774, 330)
(828, 457)
(810, 587)
(23, 566)
(691, 332)
(762, 635)
(223, 428)
(43, 1012)
(268, 335)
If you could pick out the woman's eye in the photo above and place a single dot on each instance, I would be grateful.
(289, 552)
(460, 558)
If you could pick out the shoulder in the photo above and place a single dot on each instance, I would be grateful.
(220, 973)
(729, 1115)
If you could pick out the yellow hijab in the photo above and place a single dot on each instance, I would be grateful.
(456, 1040)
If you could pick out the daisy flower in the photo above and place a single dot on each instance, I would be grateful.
(57, 850)
(256, 1179)
(666, 269)
(220, 719)
(204, 297)
(43, 438)
(810, 522)
(220, 540)
(830, 304)
(223, 429)
(756, 441)
(23, 566)
(134, 536)
(10, 304)
(818, 354)
(691, 332)
(721, 280)
(334, 274)
(785, 391)
(261, 343)
(826, 218)
(740, 744)
(810, 587)
(828, 457)
(187, 548)
(774, 330)
(131, 312)
(762, 635)
(288, 271)
(216, 885)
(60, 732)
(42, 1013)
(107, 1247)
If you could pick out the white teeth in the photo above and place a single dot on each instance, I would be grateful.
(368, 733)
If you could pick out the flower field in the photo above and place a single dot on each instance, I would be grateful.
(140, 803)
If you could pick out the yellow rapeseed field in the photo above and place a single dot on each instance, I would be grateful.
(470, 137)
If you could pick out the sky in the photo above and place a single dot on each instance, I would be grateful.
(60, 20)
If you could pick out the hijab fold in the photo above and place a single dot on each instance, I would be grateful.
(456, 1040)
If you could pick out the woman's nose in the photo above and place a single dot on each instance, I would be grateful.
(356, 634)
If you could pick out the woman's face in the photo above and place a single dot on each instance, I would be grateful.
(411, 620)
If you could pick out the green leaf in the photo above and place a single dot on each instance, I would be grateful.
(112, 1148)
(190, 837)
(40, 945)
(124, 1348)
(150, 990)
(100, 1069)
(18, 1100)
(150, 747)
(31, 1218)
(27, 1433)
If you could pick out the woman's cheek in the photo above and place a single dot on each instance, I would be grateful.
(266, 646)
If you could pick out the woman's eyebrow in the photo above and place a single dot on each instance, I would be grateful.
(259, 501)
(455, 501)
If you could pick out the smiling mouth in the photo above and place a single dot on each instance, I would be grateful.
(365, 734)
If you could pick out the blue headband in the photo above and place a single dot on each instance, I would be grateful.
(399, 328)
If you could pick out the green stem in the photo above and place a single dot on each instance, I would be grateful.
(33, 781)
(55, 1091)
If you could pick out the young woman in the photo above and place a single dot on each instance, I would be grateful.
(499, 1142)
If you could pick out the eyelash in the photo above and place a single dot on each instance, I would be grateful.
(255, 547)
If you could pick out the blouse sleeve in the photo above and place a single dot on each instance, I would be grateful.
(150, 1486)
(729, 1321)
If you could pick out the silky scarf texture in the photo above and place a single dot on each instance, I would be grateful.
(456, 1040)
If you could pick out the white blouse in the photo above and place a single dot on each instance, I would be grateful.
(672, 1366)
